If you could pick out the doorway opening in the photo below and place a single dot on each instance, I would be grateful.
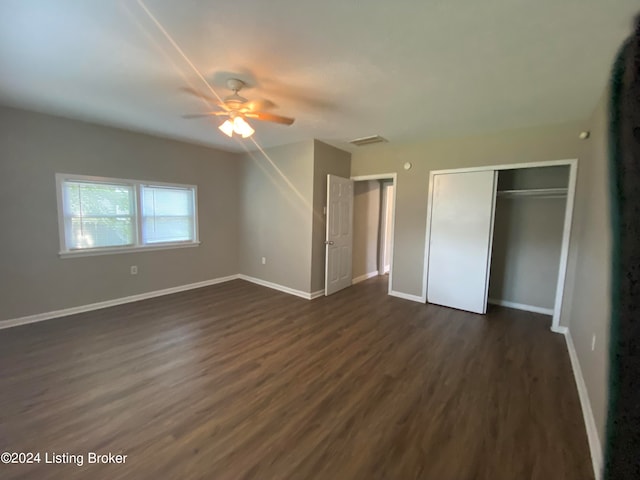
(373, 226)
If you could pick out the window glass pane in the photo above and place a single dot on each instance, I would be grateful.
(94, 199)
(88, 232)
(168, 214)
(98, 215)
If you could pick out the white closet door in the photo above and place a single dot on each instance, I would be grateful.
(460, 240)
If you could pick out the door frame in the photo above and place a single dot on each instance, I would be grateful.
(382, 240)
(394, 181)
(566, 232)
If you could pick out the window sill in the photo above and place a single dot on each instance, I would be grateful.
(115, 250)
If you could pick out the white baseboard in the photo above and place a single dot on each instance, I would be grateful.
(560, 329)
(281, 288)
(521, 306)
(40, 317)
(364, 277)
(407, 296)
(316, 294)
(587, 413)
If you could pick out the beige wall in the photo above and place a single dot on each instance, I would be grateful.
(588, 283)
(366, 227)
(326, 160)
(516, 146)
(33, 147)
(283, 192)
(276, 210)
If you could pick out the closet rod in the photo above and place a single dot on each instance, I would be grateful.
(535, 192)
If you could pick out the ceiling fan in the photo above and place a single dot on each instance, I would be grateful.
(238, 109)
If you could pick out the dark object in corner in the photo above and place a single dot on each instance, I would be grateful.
(622, 460)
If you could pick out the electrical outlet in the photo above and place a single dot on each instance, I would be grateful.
(134, 269)
(264, 260)
(593, 343)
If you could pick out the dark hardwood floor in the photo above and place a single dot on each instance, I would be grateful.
(237, 381)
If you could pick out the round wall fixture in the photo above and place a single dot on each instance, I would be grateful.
(407, 166)
(584, 135)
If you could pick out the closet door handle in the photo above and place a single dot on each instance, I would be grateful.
(329, 242)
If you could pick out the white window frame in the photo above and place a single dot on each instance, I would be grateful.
(136, 185)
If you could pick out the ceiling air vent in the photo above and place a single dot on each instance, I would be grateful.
(368, 140)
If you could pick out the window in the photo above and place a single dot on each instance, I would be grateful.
(167, 214)
(106, 215)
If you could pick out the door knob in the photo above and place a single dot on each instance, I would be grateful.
(329, 242)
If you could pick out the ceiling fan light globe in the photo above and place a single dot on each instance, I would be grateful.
(241, 127)
(248, 131)
(227, 128)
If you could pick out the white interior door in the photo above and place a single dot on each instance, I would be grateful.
(460, 240)
(339, 238)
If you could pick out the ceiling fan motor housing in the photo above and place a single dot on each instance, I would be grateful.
(235, 85)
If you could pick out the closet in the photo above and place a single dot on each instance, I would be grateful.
(499, 235)
(527, 237)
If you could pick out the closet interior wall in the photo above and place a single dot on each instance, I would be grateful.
(527, 238)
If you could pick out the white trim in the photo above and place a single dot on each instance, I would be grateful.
(566, 237)
(276, 286)
(112, 250)
(375, 176)
(490, 250)
(382, 224)
(509, 166)
(364, 277)
(521, 306)
(560, 329)
(427, 238)
(110, 180)
(564, 252)
(39, 317)
(394, 178)
(587, 413)
(406, 296)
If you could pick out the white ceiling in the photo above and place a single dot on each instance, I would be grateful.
(406, 70)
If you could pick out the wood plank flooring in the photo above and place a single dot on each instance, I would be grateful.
(236, 381)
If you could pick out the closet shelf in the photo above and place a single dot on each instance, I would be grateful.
(534, 192)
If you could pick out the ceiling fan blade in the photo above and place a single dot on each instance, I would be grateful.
(270, 117)
(207, 114)
(258, 105)
(204, 96)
